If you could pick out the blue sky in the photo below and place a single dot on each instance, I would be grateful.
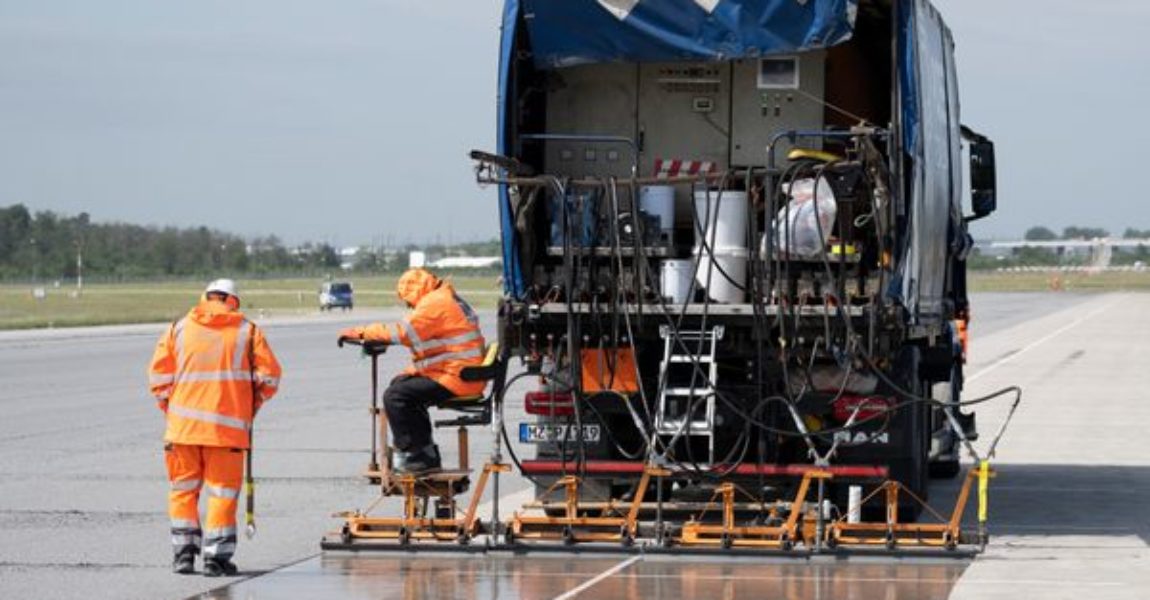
(350, 121)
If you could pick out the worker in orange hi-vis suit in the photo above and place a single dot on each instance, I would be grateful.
(443, 333)
(211, 372)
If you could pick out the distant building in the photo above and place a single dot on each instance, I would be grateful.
(348, 257)
(467, 262)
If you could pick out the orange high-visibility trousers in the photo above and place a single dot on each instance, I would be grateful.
(219, 472)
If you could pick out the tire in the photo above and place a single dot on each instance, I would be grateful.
(946, 469)
(912, 470)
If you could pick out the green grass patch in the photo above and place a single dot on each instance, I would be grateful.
(107, 304)
(1070, 281)
(140, 302)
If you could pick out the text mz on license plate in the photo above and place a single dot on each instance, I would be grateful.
(533, 433)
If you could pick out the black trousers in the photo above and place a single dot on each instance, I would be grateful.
(406, 402)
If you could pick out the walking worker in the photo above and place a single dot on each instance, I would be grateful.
(211, 372)
(443, 333)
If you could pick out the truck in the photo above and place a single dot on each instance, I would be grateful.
(734, 241)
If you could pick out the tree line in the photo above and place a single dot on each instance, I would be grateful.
(1042, 234)
(45, 245)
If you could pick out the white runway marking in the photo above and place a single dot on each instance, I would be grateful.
(1032, 345)
(600, 577)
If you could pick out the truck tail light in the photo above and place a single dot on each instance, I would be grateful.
(871, 406)
(549, 404)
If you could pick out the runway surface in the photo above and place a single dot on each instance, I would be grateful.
(83, 491)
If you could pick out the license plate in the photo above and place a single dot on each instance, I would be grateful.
(534, 433)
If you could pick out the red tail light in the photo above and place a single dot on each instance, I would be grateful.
(871, 406)
(549, 404)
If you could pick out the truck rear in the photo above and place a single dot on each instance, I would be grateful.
(735, 235)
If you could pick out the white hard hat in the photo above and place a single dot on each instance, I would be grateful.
(223, 286)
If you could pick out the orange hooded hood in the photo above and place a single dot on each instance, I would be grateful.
(414, 284)
(213, 313)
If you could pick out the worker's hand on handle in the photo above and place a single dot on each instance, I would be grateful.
(355, 337)
(351, 335)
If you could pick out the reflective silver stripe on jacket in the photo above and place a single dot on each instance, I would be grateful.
(267, 380)
(462, 354)
(207, 417)
(222, 492)
(451, 341)
(412, 336)
(185, 485)
(160, 379)
(185, 524)
(214, 376)
(241, 345)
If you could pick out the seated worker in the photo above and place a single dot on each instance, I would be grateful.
(443, 333)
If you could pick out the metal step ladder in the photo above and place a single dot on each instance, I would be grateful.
(687, 397)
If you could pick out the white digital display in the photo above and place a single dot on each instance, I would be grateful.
(780, 73)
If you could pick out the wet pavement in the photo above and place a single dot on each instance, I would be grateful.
(490, 577)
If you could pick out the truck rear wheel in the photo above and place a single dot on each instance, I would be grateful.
(911, 469)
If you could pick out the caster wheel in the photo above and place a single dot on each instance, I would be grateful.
(568, 537)
(345, 535)
(404, 536)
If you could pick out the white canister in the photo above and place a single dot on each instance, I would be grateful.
(675, 279)
(722, 218)
(724, 275)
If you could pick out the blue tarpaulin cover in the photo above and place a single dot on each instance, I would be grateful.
(562, 33)
(565, 33)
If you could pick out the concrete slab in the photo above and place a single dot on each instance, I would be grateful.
(83, 492)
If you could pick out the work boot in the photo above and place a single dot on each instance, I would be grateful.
(421, 462)
(215, 567)
(184, 564)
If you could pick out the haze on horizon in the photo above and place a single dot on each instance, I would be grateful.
(350, 122)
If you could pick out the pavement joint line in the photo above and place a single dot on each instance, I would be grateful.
(586, 585)
(1013, 355)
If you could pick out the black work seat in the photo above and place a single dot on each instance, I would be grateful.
(478, 406)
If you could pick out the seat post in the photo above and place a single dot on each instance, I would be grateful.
(464, 461)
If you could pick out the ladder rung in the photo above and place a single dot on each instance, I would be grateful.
(697, 429)
(687, 358)
(686, 392)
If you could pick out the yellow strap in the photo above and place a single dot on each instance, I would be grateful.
(983, 480)
(811, 153)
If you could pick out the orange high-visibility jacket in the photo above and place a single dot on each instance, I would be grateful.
(205, 370)
(442, 332)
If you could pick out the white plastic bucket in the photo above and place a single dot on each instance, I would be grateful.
(725, 217)
(733, 264)
(675, 279)
(659, 200)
